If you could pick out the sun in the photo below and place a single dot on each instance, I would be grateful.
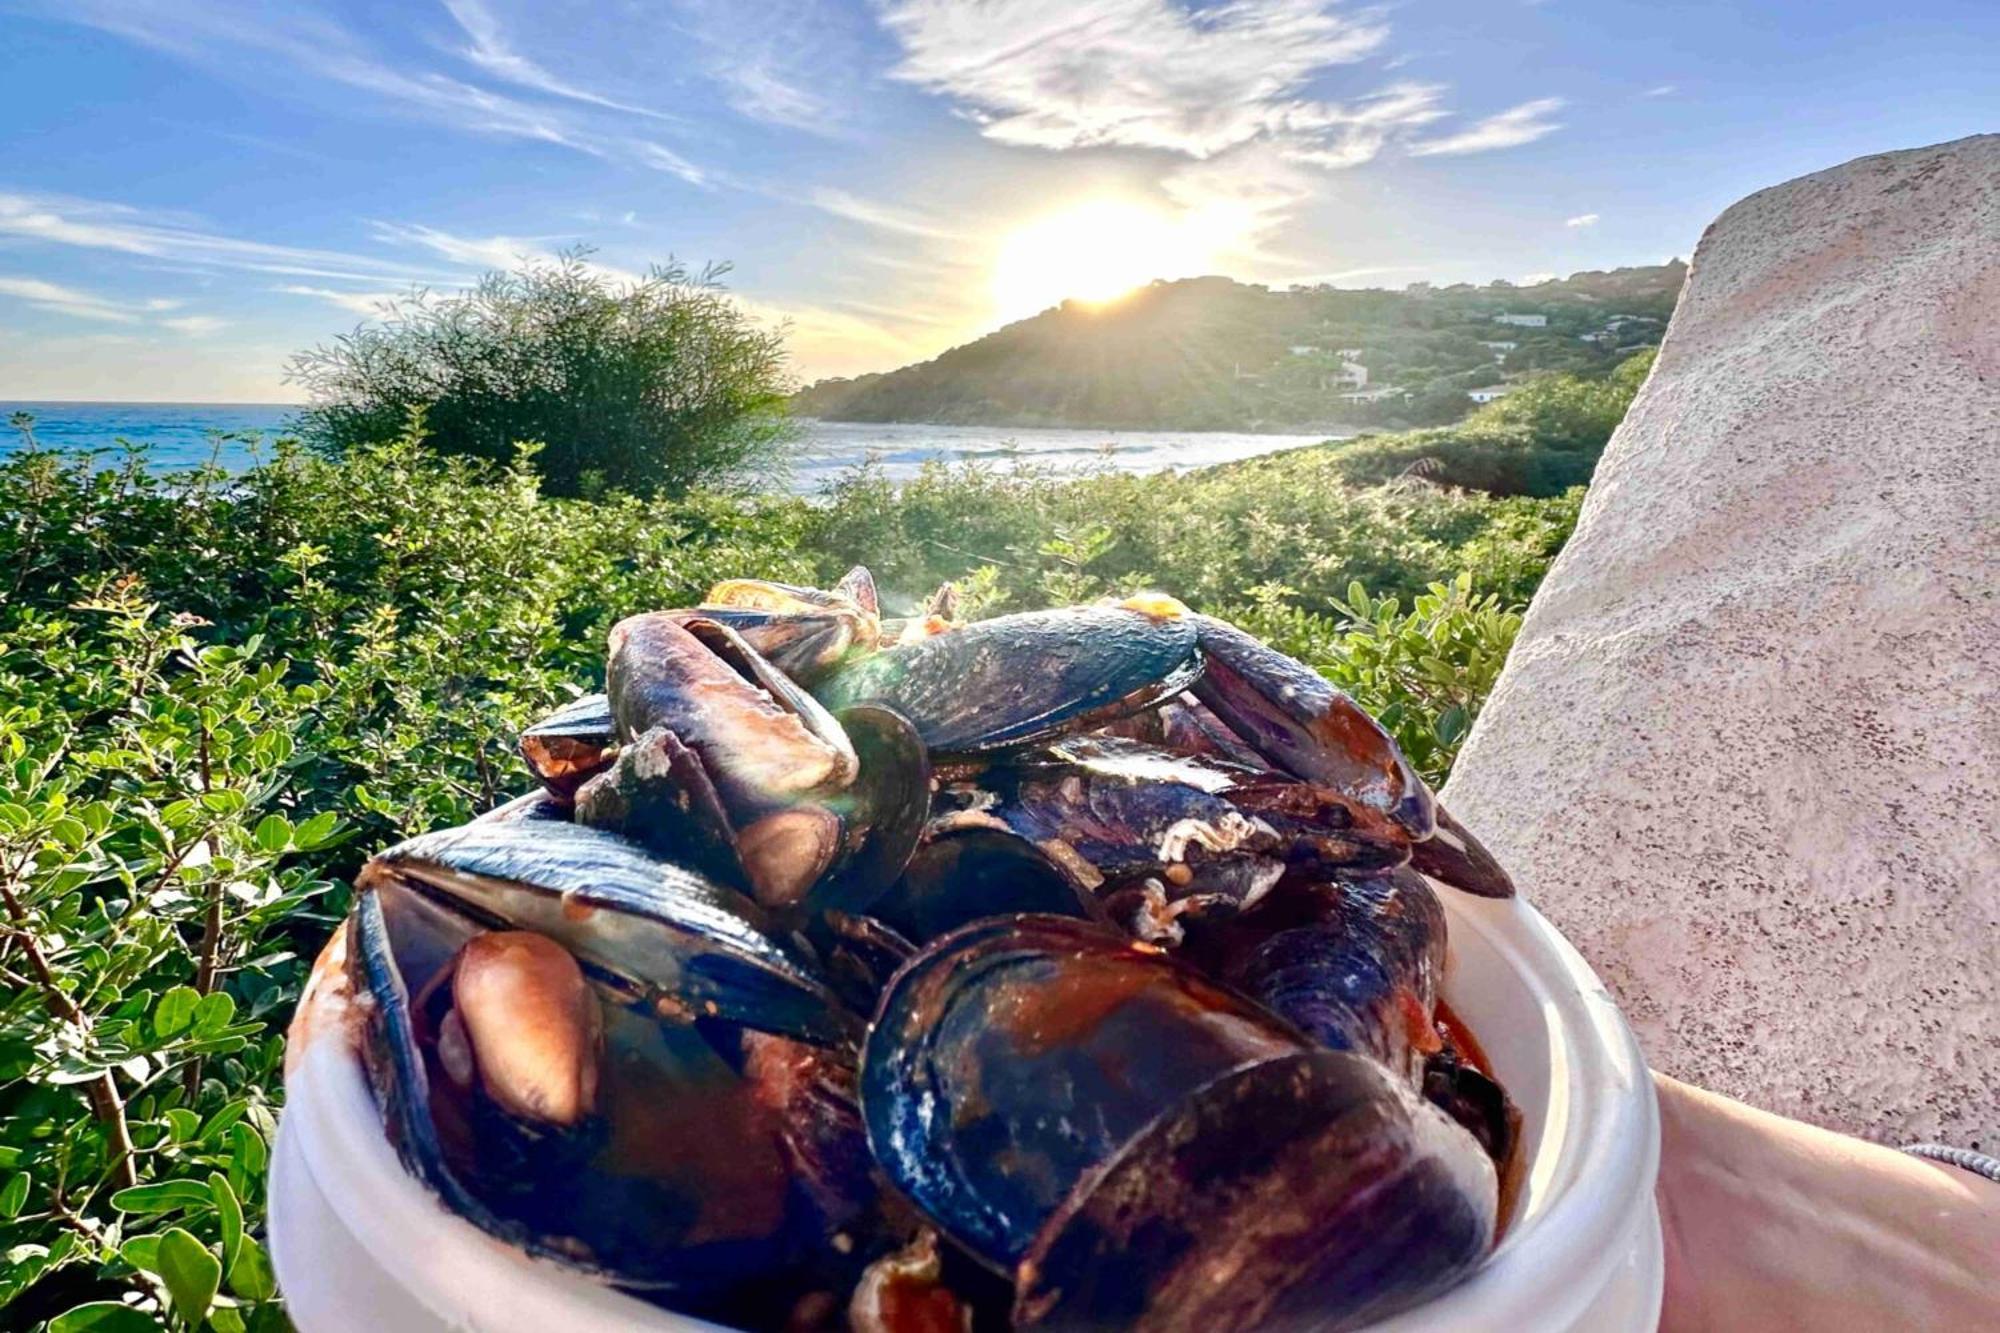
(1095, 251)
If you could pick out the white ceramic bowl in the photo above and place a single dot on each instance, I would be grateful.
(362, 1246)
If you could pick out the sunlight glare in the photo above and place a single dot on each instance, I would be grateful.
(1093, 252)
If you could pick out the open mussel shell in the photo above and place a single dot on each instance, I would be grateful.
(1015, 680)
(765, 742)
(666, 938)
(883, 811)
(678, 1178)
(565, 748)
(1213, 834)
(1011, 1058)
(657, 794)
(1311, 1190)
(804, 643)
(965, 873)
(1292, 716)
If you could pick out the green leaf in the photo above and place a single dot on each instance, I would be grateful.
(230, 1113)
(250, 1277)
(274, 834)
(246, 1157)
(103, 1317)
(182, 1124)
(174, 1011)
(15, 1195)
(191, 1273)
(214, 1012)
(225, 1319)
(225, 802)
(230, 1212)
(163, 1197)
(315, 831)
(142, 1252)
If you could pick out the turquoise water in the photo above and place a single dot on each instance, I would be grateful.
(181, 435)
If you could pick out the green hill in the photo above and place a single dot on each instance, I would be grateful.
(1216, 354)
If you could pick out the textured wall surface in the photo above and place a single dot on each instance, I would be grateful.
(1746, 754)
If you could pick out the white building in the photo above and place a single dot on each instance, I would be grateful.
(1372, 395)
(1489, 393)
(1354, 373)
(1348, 353)
(1499, 346)
(1523, 321)
(1302, 349)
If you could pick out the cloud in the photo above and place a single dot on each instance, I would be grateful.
(1510, 128)
(232, 36)
(884, 217)
(199, 326)
(1131, 73)
(60, 300)
(486, 253)
(95, 225)
(790, 63)
(490, 51)
(369, 304)
(1662, 90)
(1581, 220)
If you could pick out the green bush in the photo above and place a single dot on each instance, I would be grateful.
(1540, 440)
(652, 386)
(217, 693)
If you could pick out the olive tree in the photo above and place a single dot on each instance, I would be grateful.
(650, 385)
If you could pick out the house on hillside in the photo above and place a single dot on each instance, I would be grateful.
(1523, 321)
(1373, 395)
(1489, 393)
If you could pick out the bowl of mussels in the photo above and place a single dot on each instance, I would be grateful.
(1098, 967)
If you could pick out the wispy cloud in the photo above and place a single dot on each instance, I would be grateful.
(60, 300)
(96, 225)
(1509, 129)
(484, 253)
(492, 53)
(1581, 220)
(1662, 90)
(1134, 73)
(234, 35)
(1235, 89)
(789, 63)
(885, 217)
(198, 326)
(369, 304)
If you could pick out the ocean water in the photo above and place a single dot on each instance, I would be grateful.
(184, 434)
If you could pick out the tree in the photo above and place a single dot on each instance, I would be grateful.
(650, 385)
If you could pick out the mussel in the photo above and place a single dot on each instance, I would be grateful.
(1098, 1119)
(1139, 908)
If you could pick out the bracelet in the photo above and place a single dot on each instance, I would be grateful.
(1976, 1162)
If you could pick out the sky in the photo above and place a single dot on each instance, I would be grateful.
(193, 190)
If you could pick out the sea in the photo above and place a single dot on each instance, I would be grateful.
(180, 435)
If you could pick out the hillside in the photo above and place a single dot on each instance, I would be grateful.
(1213, 353)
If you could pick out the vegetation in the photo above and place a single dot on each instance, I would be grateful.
(1541, 439)
(1212, 354)
(649, 386)
(217, 694)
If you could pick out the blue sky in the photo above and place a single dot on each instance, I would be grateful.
(190, 190)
